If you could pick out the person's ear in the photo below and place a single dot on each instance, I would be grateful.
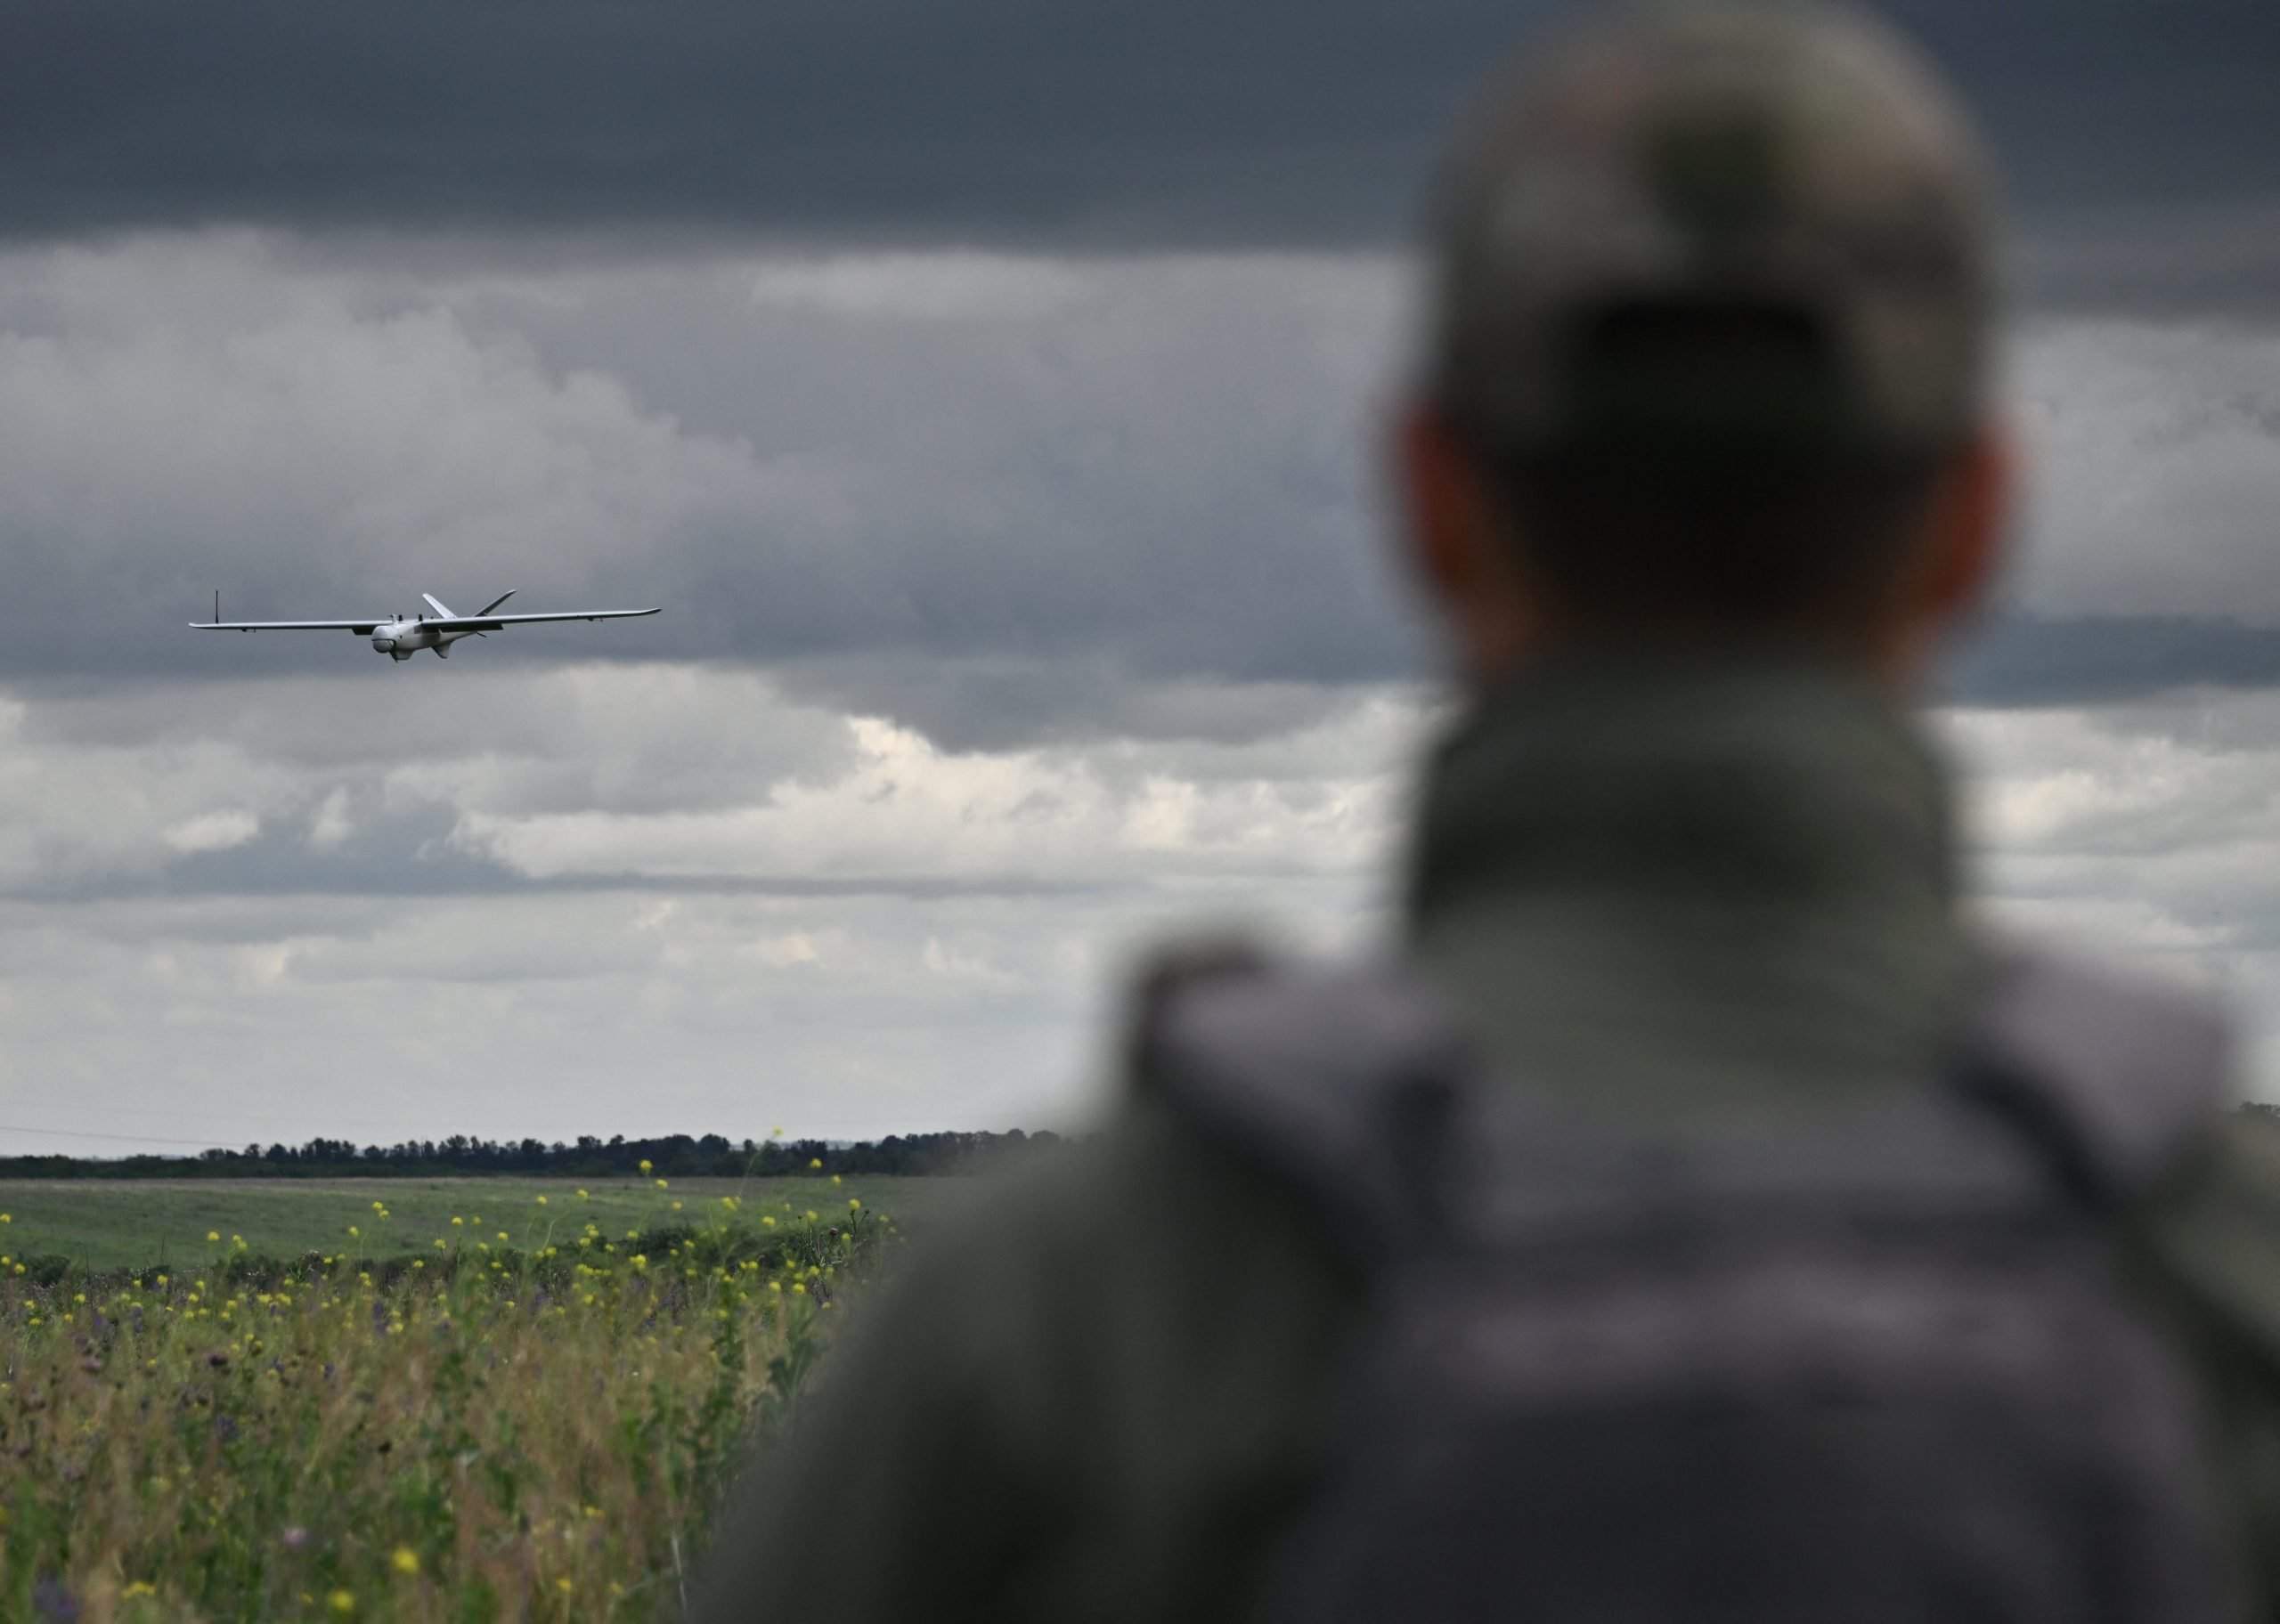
(1457, 544)
(1963, 543)
(1968, 530)
(1442, 509)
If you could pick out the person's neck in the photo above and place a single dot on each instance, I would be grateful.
(1638, 875)
(1774, 775)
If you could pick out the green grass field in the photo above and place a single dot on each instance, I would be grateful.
(143, 1224)
(323, 1413)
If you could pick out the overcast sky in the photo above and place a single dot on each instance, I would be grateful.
(988, 394)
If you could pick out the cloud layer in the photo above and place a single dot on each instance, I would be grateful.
(1288, 122)
(988, 395)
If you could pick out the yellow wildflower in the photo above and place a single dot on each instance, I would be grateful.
(405, 1561)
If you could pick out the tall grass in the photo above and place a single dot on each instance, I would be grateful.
(474, 1432)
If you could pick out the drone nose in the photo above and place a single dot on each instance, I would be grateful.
(385, 646)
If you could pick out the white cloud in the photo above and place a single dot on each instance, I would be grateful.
(213, 830)
(2155, 469)
(331, 825)
(930, 287)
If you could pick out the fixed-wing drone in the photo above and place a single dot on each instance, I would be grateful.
(400, 637)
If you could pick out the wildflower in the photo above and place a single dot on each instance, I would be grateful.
(5, 1219)
(645, 1164)
(456, 1221)
(213, 1234)
(815, 1164)
(835, 1181)
(563, 1584)
(676, 1205)
(660, 1184)
(542, 1201)
(775, 1133)
(353, 1229)
(583, 1196)
(811, 1215)
(854, 1205)
(503, 1234)
(405, 1561)
(343, 1601)
(769, 1221)
(141, 1586)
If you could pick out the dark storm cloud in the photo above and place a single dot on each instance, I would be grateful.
(1276, 121)
(2027, 661)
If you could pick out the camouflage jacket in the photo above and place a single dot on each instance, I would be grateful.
(1695, 893)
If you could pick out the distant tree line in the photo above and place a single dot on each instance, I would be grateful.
(673, 1156)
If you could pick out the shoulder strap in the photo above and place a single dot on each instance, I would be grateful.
(1341, 1082)
(2113, 1077)
(1335, 1081)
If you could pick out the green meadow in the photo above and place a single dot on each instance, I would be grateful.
(100, 1224)
(471, 1400)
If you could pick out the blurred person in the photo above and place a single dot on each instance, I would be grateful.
(1698, 1217)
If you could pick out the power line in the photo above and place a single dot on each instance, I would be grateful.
(125, 1139)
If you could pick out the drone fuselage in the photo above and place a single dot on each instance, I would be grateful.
(399, 639)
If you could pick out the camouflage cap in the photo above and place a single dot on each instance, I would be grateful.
(1796, 160)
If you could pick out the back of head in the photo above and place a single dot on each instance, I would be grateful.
(1712, 306)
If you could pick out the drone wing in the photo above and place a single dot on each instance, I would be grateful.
(493, 623)
(362, 628)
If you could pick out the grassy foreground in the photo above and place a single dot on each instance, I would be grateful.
(467, 1427)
